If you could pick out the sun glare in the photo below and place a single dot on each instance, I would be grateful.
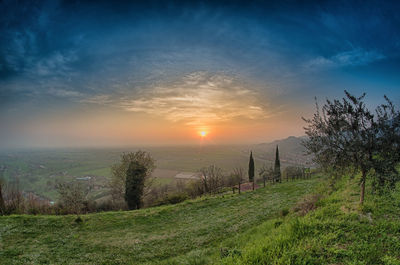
(203, 133)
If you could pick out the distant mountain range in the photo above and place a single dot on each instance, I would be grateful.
(291, 151)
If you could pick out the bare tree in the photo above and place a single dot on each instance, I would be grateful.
(266, 172)
(2, 205)
(238, 175)
(72, 196)
(13, 199)
(211, 178)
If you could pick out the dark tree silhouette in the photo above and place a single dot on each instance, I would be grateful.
(135, 177)
(2, 205)
(118, 177)
(277, 166)
(251, 168)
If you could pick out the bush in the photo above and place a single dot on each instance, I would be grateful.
(309, 203)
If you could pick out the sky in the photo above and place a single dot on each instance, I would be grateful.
(115, 73)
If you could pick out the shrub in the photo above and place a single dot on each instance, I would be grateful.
(309, 203)
(284, 212)
(173, 198)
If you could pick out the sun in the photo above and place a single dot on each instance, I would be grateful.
(203, 133)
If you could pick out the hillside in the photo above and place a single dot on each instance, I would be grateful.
(291, 151)
(188, 233)
(337, 231)
(327, 226)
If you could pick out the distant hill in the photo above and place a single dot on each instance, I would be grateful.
(291, 151)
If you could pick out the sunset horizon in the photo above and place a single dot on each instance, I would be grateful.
(160, 74)
(199, 132)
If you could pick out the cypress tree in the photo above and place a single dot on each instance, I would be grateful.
(277, 167)
(251, 168)
(134, 185)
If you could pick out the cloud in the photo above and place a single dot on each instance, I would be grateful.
(200, 98)
(196, 99)
(64, 93)
(353, 57)
(98, 99)
(56, 63)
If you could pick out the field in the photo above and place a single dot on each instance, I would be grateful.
(300, 222)
(192, 232)
(38, 171)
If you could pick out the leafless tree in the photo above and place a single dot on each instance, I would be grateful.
(238, 175)
(266, 173)
(211, 178)
(72, 197)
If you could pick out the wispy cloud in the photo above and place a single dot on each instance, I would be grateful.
(64, 93)
(98, 99)
(56, 64)
(352, 57)
(196, 99)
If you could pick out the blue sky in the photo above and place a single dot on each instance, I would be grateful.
(255, 62)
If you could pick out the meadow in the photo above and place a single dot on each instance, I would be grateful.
(192, 232)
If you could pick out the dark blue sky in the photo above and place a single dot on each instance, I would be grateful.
(59, 57)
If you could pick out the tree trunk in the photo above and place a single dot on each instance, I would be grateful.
(253, 184)
(264, 183)
(239, 187)
(362, 187)
(2, 206)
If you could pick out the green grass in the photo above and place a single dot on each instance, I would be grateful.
(188, 233)
(251, 228)
(339, 231)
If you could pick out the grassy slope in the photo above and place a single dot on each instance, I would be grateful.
(339, 231)
(188, 233)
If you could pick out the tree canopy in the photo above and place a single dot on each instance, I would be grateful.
(345, 134)
(119, 171)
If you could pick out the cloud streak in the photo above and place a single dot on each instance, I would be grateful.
(354, 57)
(196, 99)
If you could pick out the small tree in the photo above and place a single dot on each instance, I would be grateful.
(251, 169)
(348, 136)
(2, 205)
(211, 178)
(277, 166)
(238, 175)
(72, 197)
(118, 178)
(266, 172)
(13, 198)
(388, 145)
(135, 177)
